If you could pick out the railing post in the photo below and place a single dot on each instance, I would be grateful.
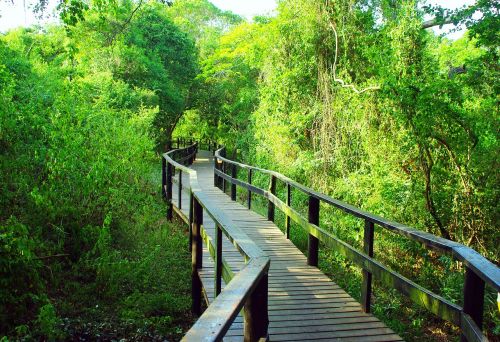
(249, 195)
(473, 298)
(191, 197)
(216, 178)
(223, 169)
(234, 171)
(270, 205)
(288, 203)
(366, 288)
(196, 256)
(223, 179)
(179, 192)
(256, 313)
(169, 192)
(312, 256)
(163, 177)
(178, 142)
(218, 260)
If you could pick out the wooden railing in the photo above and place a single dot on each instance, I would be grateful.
(478, 270)
(248, 289)
(182, 142)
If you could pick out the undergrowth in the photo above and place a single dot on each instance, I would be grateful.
(134, 284)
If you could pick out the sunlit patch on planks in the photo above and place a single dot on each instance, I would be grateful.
(304, 304)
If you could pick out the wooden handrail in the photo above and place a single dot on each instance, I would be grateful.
(247, 290)
(479, 270)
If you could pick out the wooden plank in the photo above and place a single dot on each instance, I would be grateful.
(334, 334)
(327, 328)
(319, 322)
(294, 287)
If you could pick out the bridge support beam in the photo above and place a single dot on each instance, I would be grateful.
(234, 172)
(288, 203)
(169, 192)
(249, 194)
(224, 165)
(473, 298)
(196, 256)
(179, 192)
(366, 288)
(216, 178)
(163, 177)
(270, 205)
(256, 313)
(313, 246)
(218, 261)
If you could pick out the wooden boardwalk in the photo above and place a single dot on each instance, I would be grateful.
(304, 304)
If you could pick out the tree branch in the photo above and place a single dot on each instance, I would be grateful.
(110, 41)
(436, 22)
(334, 68)
(51, 256)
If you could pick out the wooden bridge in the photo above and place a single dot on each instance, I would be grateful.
(258, 286)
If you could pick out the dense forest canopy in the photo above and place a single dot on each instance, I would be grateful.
(355, 98)
(376, 110)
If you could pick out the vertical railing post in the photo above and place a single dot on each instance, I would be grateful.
(256, 313)
(216, 178)
(163, 177)
(169, 192)
(223, 169)
(249, 194)
(196, 256)
(473, 298)
(270, 205)
(312, 256)
(179, 192)
(366, 288)
(288, 203)
(191, 197)
(234, 171)
(218, 260)
(223, 179)
(178, 142)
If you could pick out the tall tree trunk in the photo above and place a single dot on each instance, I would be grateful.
(427, 164)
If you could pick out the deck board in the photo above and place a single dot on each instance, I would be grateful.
(304, 304)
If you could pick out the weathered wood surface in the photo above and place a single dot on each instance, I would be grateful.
(304, 304)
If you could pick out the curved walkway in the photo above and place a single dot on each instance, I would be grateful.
(304, 304)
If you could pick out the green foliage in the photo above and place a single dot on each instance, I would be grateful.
(352, 98)
(357, 100)
(82, 108)
(20, 283)
(48, 323)
(203, 21)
